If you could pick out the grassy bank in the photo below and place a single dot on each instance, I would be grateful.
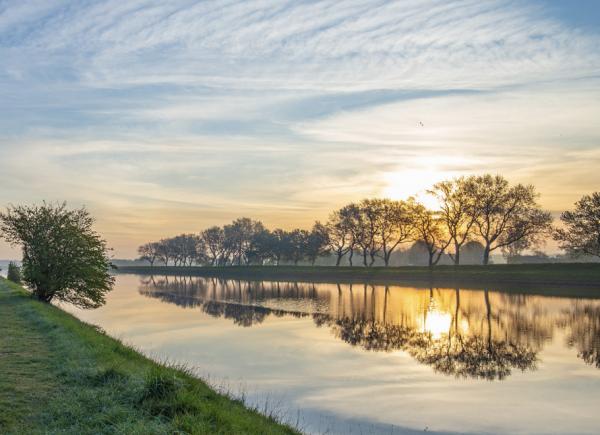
(59, 375)
(515, 275)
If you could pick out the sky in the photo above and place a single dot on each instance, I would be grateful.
(168, 117)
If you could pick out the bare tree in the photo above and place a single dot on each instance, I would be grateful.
(317, 243)
(349, 215)
(239, 236)
(149, 252)
(429, 229)
(165, 251)
(280, 245)
(298, 242)
(339, 235)
(396, 225)
(506, 215)
(214, 240)
(581, 232)
(364, 220)
(458, 210)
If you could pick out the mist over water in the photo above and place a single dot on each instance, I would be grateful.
(374, 359)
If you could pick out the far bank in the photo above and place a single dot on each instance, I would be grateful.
(582, 279)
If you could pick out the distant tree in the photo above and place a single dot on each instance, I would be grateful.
(459, 210)
(581, 232)
(350, 218)
(239, 236)
(298, 246)
(281, 245)
(472, 252)
(165, 251)
(418, 254)
(149, 252)
(317, 242)
(429, 230)
(262, 247)
(396, 225)
(213, 240)
(184, 249)
(14, 273)
(339, 236)
(369, 221)
(63, 257)
(514, 250)
(505, 214)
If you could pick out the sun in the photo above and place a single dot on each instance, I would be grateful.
(406, 183)
(437, 323)
(420, 175)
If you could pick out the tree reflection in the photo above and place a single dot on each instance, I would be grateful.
(467, 354)
(583, 324)
(466, 334)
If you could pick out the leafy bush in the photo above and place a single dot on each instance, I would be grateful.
(14, 273)
(63, 257)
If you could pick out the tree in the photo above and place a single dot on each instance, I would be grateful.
(63, 257)
(396, 225)
(281, 245)
(149, 252)
(238, 238)
(262, 247)
(317, 242)
(184, 249)
(428, 229)
(581, 232)
(459, 210)
(298, 242)
(339, 236)
(14, 273)
(505, 214)
(213, 239)
(165, 251)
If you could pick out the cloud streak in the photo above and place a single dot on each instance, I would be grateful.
(285, 109)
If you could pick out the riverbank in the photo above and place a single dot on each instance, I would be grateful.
(60, 375)
(549, 277)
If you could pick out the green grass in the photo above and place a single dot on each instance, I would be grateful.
(59, 375)
(547, 277)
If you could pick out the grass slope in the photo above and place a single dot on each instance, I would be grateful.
(498, 276)
(59, 375)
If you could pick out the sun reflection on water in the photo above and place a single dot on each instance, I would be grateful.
(436, 323)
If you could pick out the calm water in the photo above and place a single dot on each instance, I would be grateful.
(375, 359)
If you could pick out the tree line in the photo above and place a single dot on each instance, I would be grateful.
(485, 208)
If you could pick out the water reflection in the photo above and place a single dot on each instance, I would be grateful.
(467, 334)
(582, 321)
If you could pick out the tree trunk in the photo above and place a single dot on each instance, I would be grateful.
(486, 254)
(350, 257)
(372, 255)
(456, 255)
(339, 259)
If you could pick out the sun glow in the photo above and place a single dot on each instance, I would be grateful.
(404, 183)
(436, 322)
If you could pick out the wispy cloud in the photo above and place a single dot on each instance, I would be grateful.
(286, 109)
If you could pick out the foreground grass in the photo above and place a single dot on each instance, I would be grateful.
(59, 375)
(546, 276)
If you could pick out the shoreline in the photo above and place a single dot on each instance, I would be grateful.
(565, 279)
(63, 375)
